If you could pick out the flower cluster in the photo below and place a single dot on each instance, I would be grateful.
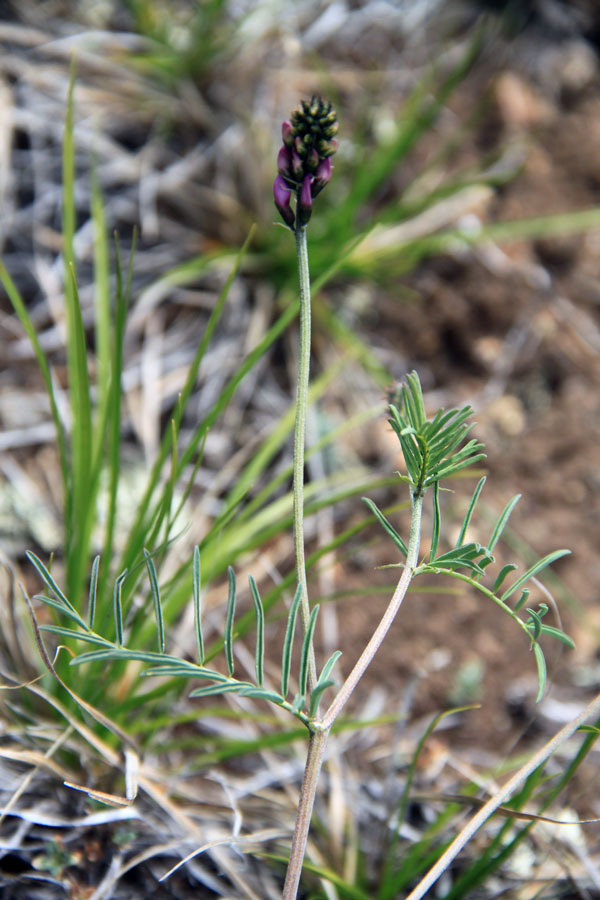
(304, 161)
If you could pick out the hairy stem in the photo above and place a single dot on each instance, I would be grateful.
(320, 728)
(300, 436)
(312, 770)
(388, 617)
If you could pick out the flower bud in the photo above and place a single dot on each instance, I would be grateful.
(322, 176)
(305, 201)
(287, 133)
(281, 195)
(284, 161)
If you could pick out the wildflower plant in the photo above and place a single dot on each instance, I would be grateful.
(435, 449)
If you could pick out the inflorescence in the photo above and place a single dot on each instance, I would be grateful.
(304, 161)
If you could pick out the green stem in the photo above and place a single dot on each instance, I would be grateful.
(300, 436)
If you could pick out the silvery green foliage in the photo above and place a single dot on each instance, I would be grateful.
(433, 450)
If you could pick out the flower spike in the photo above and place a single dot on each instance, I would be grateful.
(304, 160)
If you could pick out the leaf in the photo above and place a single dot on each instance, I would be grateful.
(286, 656)
(260, 632)
(502, 521)
(93, 590)
(387, 526)
(535, 623)
(262, 694)
(323, 682)
(184, 671)
(327, 668)
(504, 571)
(117, 607)
(559, 635)
(124, 653)
(77, 635)
(160, 628)
(470, 511)
(229, 688)
(316, 693)
(306, 648)
(541, 667)
(463, 557)
(197, 603)
(65, 611)
(229, 615)
(522, 599)
(537, 567)
(50, 582)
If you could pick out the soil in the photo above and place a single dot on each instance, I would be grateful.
(515, 333)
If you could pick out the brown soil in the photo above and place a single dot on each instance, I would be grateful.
(515, 333)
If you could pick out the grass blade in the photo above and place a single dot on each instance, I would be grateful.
(160, 628)
(113, 408)
(541, 667)
(437, 521)
(21, 310)
(102, 321)
(260, 631)
(228, 642)
(286, 656)
(196, 584)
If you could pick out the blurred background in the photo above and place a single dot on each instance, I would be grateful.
(459, 235)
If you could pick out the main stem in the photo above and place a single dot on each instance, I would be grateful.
(322, 727)
(300, 436)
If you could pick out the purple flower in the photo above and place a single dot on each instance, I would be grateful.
(304, 207)
(322, 176)
(281, 195)
(284, 160)
(303, 162)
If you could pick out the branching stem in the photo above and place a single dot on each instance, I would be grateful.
(320, 728)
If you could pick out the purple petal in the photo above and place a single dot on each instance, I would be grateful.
(323, 173)
(296, 163)
(284, 160)
(322, 176)
(281, 195)
(304, 207)
(281, 192)
(306, 195)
